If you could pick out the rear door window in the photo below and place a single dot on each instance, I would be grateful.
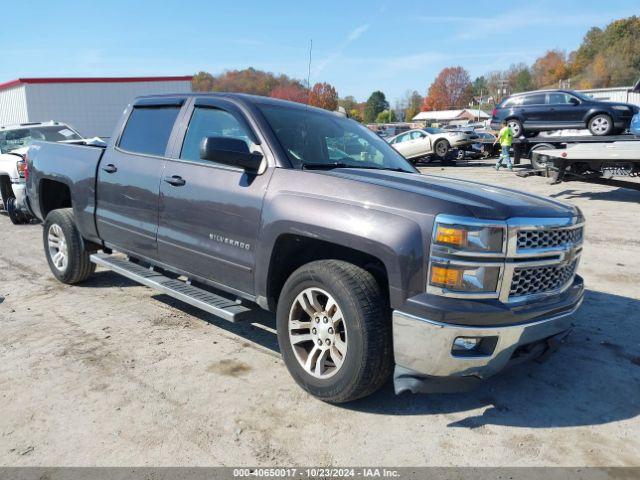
(536, 99)
(148, 129)
(556, 98)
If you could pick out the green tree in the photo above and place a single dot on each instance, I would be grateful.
(354, 113)
(480, 86)
(376, 103)
(386, 116)
(348, 103)
(412, 102)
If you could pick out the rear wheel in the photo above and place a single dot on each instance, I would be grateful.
(601, 124)
(334, 331)
(516, 127)
(64, 248)
(537, 162)
(16, 216)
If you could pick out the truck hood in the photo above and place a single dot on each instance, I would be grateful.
(481, 200)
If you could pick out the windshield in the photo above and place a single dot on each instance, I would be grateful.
(314, 139)
(22, 137)
(433, 130)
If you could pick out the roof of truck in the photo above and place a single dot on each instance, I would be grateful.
(245, 97)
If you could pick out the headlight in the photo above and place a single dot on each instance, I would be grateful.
(459, 278)
(467, 257)
(471, 238)
(621, 107)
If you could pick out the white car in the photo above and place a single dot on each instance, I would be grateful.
(426, 141)
(14, 145)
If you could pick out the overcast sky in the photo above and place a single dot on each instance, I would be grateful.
(358, 46)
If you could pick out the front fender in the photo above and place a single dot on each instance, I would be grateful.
(395, 240)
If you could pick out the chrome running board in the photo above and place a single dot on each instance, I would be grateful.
(223, 307)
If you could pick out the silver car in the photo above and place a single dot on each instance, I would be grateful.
(423, 142)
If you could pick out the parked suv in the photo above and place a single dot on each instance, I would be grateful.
(542, 110)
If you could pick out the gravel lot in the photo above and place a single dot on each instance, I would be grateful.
(111, 373)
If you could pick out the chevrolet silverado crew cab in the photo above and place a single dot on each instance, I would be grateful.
(230, 202)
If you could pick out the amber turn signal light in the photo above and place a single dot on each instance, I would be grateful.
(446, 277)
(451, 236)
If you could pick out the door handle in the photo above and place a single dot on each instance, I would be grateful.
(110, 168)
(175, 180)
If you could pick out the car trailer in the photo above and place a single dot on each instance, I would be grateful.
(585, 156)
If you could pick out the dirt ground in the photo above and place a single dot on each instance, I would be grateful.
(111, 373)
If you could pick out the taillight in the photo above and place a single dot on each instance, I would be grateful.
(26, 167)
(21, 167)
(495, 112)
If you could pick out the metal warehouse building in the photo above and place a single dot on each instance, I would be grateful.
(91, 105)
(616, 94)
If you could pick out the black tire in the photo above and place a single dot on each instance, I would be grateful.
(535, 162)
(15, 215)
(369, 356)
(78, 266)
(601, 124)
(516, 127)
(441, 148)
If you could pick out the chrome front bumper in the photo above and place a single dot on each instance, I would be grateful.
(425, 347)
(20, 192)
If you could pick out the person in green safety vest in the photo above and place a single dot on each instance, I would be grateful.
(505, 137)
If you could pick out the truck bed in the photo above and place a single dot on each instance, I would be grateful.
(72, 165)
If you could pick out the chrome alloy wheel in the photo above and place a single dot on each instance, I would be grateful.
(600, 125)
(317, 333)
(58, 247)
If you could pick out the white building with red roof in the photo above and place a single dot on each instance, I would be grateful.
(92, 105)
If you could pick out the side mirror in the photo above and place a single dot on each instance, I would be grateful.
(230, 151)
(574, 101)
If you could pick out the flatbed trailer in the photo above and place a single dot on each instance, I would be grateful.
(524, 147)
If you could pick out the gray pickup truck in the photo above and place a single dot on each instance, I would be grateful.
(231, 202)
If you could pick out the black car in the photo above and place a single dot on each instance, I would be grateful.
(532, 112)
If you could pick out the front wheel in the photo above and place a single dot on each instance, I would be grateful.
(441, 148)
(64, 248)
(334, 331)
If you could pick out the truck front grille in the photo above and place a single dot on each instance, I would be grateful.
(550, 238)
(528, 281)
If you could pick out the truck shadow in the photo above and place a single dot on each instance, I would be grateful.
(594, 378)
(627, 193)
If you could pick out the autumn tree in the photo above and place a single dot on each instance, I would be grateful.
(202, 82)
(550, 68)
(451, 89)
(293, 91)
(324, 95)
(376, 103)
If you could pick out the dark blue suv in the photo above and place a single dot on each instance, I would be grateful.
(532, 112)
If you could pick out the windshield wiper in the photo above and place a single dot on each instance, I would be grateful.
(322, 165)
